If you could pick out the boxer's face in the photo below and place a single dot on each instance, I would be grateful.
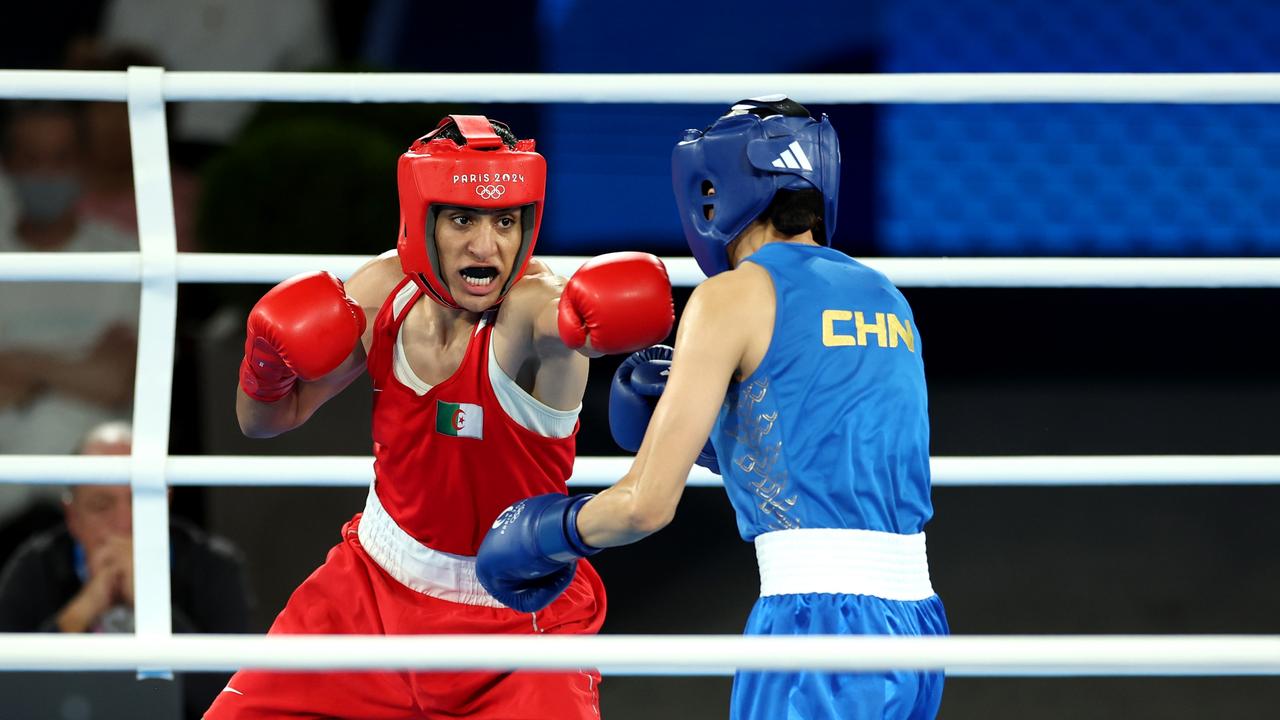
(477, 252)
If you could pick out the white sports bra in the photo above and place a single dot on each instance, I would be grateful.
(519, 405)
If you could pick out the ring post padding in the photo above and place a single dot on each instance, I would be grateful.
(153, 384)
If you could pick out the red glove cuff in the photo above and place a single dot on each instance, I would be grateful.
(573, 331)
(263, 375)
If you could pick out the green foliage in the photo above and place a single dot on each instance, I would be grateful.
(400, 123)
(303, 184)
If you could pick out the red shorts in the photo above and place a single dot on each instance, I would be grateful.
(351, 594)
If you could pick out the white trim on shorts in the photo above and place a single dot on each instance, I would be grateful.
(438, 574)
(846, 562)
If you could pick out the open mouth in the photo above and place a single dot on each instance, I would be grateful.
(479, 276)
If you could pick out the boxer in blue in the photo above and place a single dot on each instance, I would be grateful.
(804, 368)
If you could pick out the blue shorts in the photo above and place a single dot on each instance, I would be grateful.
(840, 696)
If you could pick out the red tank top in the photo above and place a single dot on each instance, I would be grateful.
(447, 462)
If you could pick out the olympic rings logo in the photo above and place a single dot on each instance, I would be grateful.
(491, 192)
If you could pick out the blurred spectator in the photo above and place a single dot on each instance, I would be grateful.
(222, 35)
(78, 576)
(93, 550)
(8, 202)
(108, 162)
(67, 350)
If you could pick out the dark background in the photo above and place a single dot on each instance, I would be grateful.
(1011, 372)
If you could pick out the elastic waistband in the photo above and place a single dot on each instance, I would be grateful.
(431, 572)
(846, 562)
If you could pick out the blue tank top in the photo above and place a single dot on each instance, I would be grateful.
(832, 430)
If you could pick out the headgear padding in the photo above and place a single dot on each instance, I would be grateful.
(483, 173)
(747, 159)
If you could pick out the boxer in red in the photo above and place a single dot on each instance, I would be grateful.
(476, 396)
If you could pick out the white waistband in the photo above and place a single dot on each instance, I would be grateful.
(416, 566)
(847, 562)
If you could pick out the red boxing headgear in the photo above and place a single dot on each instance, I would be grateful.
(483, 173)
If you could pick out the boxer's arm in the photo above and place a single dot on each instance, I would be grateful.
(527, 348)
(538, 294)
(265, 420)
(710, 343)
(369, 287)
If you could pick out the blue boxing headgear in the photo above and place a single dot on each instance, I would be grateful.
(745, 158)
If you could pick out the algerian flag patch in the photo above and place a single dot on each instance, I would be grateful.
(460, 419)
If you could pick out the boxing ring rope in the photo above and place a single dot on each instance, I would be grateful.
(684, 272)
(971, 655)
(845, 88)
(948, 471)
(158, 267)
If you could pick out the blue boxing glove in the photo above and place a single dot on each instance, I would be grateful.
(637, 385)
(707, 458)
(530, 554)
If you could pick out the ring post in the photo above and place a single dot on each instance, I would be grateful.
(153, 383)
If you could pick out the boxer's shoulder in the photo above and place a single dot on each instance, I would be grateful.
(375, 280)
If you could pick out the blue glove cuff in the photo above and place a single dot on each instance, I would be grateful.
(571, 527)
(561, 541)
(708, 459)
(653, 352)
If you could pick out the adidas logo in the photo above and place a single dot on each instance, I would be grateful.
(794, 158)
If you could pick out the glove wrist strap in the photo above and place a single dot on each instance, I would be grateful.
(264, 389)
(558, 536)
(571, 533)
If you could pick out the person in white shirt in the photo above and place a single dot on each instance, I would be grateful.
(67, 350)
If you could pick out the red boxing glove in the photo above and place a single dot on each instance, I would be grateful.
(302, 328)
(620, 301)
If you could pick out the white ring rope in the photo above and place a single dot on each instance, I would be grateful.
(684, 272)
(948, 471)
(974, 655)
(1230, 88)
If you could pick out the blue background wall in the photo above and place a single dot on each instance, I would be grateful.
(613, 162)
(1080, 179)
(942, 179)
